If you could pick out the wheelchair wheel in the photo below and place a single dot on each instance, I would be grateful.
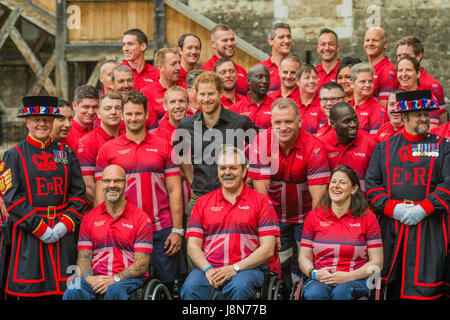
(156, 290)
(279, 290)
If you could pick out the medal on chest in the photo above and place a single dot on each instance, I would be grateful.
(60, 156)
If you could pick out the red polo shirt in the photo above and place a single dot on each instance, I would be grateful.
(275, 82)
(370, 115)
(241, 84)
(182, 77)
(325, 77)
(294, 95)
(148, 75)
(356, 155)
(384, 79)
(340, 242)
(290, 174)
(324, 130)
(228, 103)
(427, 82)
(75, 134)
(88, 148)
(155, 98)
(260, 114)
(386, 131)
(231, 232)
(146, 165)
(114, 242)
(442, 131)
(312, 115)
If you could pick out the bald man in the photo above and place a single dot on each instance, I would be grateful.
(104, 268)
(257, 104)
(385, 78)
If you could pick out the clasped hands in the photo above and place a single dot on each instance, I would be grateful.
(218, 277)
(331, 277)
(52, 235)
(409, 213)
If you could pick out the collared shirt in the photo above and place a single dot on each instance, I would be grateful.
(312, 115)
(146, 165)
(356, 154)
(386, 131)
(113, 242)
(434, 115)
(290, 174)
(370, 115)
(231, 232)
(275, 82)
(193, 136)
(294, 95)
(182, 77)
(228, 103)
(148, 75)
(88, 148)
(325, 77)
(260, 114)
(442, 131)
(241, 84)
(340, 242)
(75, 134)
(324, 130)
(155, 98)
(384, 79)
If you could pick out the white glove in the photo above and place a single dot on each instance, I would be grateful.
(401, 209)
(414, 215)
(60, 230)
(48, 236)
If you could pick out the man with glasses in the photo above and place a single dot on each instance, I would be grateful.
(330, 94)
(105, 268)
(154, 184)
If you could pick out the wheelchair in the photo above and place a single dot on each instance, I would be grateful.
(378, 293)
(153, 289)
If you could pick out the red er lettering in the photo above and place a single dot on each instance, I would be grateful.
(418, 175)
(396, 175)
(44, 187)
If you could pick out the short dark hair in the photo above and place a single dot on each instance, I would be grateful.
(135, 97)
(140, 35)
(222, 61)
(358, 202)
(328, 30)
(340, 105)
(332, 85)
(412, 41)
(85, 91)
(191, 76)
(306, 68)
(184, 36)
(347, 62)
(219, 27)
(64, 103)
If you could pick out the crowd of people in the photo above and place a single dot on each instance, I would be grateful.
(209, 177)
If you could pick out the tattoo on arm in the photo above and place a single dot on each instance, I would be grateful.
(84, 262)
(138, 268)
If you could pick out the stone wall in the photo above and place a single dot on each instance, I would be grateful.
(428, 20)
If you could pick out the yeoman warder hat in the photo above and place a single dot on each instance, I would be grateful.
(415, 101)
(39, 106)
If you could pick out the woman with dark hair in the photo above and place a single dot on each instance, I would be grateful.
(343, 77)
(341, 243)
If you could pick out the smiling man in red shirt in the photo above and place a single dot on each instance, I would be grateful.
(280, 40)
(328, 49)
(167, 61)
(134, 44)
(224, 44)
(189, 48)
(385, 77)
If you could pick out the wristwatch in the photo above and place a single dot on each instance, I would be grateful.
(116, 278)
(236, 268)
(179, 231)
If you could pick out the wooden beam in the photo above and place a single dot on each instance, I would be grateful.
(62, 70)
(11, 21)
(33, 62)
(159, 23)
(49, 66)
(93, 79)
(92, 52)
(33, 13)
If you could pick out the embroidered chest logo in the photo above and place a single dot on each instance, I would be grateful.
(215, 209)
(99, 223)
(5, 181)
(44, 161)
(406, 154)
